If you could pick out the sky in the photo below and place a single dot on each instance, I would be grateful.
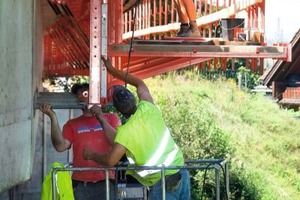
(282, 20)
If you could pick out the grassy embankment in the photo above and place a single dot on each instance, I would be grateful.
(216, 120)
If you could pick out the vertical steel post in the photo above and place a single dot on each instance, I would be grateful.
(70, 151)
(227, 180)
(217, 179)
(107, 184)
(44, 146)
(53, 184)
(104, 22)
(95, 51)
(163, 183)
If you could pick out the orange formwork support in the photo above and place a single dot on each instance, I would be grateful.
(115, 29)
(254, 65)
(261, 66)
(115, 21)
(164, 22)
(223, 63)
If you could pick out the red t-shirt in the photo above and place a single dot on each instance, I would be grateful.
(87, 133)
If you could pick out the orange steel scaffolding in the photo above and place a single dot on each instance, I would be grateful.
(154, 49)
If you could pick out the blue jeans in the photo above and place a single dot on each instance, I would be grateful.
(181, 193)
(93, 191)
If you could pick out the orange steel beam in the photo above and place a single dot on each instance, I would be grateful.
(160, 66)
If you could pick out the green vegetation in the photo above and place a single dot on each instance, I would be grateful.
(214, 119)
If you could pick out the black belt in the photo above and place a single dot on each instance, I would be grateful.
(86, 183)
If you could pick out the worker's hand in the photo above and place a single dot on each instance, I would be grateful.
(47, 109)
(106, 61)
(96, 110)
(87, 155)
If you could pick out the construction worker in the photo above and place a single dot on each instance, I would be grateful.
(144, 138)
(187, 17)
(82, 132)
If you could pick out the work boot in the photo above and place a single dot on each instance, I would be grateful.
(183, 29)
(191, 32)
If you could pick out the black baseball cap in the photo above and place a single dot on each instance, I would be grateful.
(124, 100)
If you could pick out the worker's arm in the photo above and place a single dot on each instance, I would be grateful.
(110, 132)
(58, 141)
(142, 89)
(109, 159)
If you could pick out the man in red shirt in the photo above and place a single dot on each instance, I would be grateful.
(84, 132)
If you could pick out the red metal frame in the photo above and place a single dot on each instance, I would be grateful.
(67, 44)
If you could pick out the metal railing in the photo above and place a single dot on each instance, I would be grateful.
(200, 164)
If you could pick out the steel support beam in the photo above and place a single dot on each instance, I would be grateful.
(58, 100)
(95, 51)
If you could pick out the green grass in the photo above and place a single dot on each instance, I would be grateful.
(214, 119)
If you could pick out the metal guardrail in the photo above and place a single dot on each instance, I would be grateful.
(201, 164)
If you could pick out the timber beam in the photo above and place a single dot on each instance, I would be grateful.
(200, 50)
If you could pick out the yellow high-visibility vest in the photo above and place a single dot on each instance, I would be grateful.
(64, 189)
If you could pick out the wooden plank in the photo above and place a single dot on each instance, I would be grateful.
(168, 49)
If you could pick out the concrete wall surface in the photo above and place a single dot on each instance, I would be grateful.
(18, 81)
(26, 151)
(45, 155)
